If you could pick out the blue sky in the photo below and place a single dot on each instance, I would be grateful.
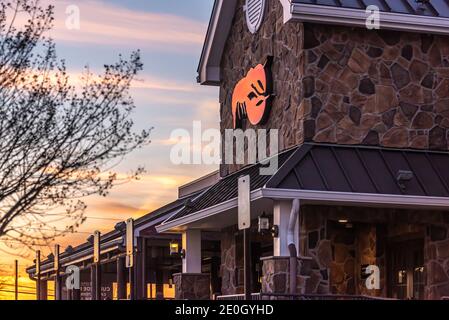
(170, 35)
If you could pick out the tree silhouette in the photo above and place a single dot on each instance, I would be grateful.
(58, 142)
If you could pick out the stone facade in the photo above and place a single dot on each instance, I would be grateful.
(231, 263)
(377, 88)
(342, 251)
(276, 275)
(190, 286)
(245, 50)
(437, 261)
(343, 85)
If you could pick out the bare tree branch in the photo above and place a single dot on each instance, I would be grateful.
(58, 143)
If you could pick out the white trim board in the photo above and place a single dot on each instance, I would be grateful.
(357, 18)
(319, 197)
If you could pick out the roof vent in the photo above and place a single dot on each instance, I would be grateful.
(254, 12)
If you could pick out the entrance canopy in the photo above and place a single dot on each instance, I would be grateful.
(328, 174)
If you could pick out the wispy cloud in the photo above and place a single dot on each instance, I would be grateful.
(103, 23)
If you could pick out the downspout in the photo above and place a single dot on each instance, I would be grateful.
(294, 213)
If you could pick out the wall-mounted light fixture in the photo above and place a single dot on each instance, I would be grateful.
(346, 223)
(264, 226)
(174, 248)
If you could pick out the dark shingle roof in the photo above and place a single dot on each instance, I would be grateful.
(226, 188)
(434, 8)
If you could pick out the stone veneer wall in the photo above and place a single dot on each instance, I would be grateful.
(343, 85)
(189, 286)
(377, 88)
(230, 263)
(245, 50)
(330, 247)
(436, 257)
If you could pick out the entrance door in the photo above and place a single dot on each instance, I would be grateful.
(406, 272)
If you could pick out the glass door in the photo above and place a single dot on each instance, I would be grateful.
(406, 274)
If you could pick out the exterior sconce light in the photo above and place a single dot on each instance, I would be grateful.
(174, 248)
(182, 254)
(264, 226)
(346, 223)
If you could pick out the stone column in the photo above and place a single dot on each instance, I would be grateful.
(192, 286)
(276, 275)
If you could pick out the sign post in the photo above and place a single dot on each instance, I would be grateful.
(16, 280)
(38, 274)
(96, 294)
(130, 255)
(244, 217)
(58, 286)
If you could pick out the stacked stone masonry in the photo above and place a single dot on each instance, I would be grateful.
(343, 85)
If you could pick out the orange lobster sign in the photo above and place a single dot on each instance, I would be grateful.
(251, 96)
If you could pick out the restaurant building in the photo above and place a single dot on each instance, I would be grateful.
(363, 178)
(363, 118)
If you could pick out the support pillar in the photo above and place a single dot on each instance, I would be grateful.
(281, 218)
(98, 281)
(93, 282)
(159, 284)
(139, 275)
(121, 278)
(43, 292)
(76, 294)
(191, 283)
(191, 244)
(58, 286)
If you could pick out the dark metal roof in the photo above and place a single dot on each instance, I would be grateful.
(226, 188)
(107, 239)
(364, 170)
(434, 8)
(340, 168)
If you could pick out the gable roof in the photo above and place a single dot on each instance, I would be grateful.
(343, 169)
(402, 15)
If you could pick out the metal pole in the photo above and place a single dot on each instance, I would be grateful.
(98, 281)
(93, 282)
(131, 283)
(16, 280)
(247, 263)
(121, 278)
(38, 275)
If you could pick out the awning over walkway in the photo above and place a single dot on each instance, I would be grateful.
(410, 176)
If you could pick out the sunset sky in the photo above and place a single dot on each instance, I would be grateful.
(170, 35)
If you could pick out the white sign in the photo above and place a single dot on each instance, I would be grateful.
(129, 243)
(97, 246)
(244, 203)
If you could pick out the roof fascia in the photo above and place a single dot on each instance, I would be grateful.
(357, 18)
